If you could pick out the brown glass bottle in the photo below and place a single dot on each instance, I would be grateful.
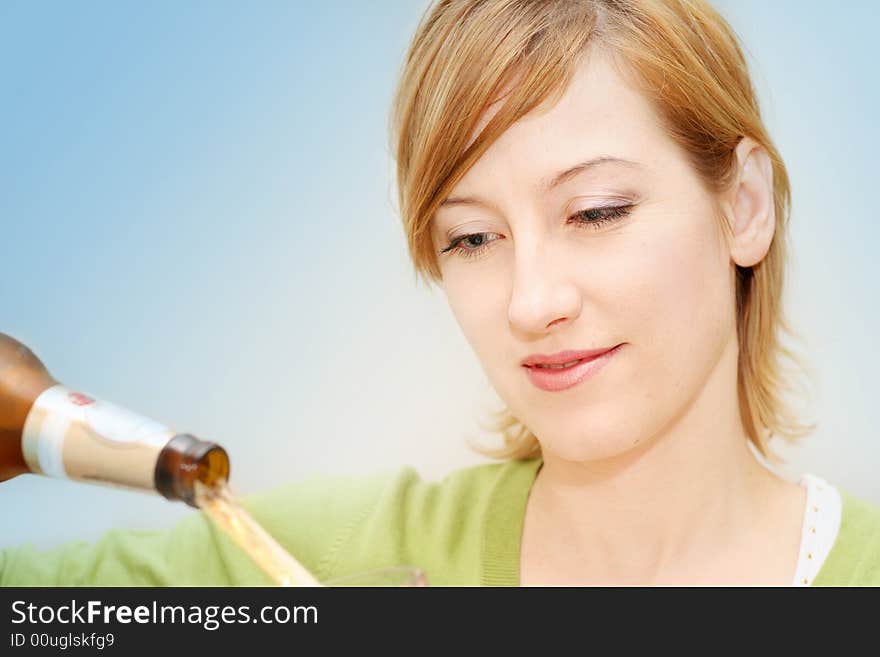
(46, 428)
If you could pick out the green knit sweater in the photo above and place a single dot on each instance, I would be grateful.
(464, 530)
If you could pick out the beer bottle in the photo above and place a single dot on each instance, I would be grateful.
(47, 428)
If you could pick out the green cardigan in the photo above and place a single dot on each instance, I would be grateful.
(464, 530)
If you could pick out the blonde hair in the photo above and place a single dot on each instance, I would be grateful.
(468, 55)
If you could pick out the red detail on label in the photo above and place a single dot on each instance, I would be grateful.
(80, 399)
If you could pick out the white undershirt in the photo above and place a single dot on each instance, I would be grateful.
(820, 526)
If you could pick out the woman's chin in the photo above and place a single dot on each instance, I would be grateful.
(596, 446)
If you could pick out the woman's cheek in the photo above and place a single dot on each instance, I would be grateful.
(480, 313)
(657, 301)
(684, 314)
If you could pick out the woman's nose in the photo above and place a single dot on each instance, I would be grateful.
(543, 292)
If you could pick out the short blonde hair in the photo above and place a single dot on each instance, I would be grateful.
(466, 55)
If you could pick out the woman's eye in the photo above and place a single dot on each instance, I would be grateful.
(474, 244)
(598, 217)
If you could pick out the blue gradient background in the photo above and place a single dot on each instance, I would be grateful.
(198, 223)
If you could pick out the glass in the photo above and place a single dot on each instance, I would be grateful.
(394, 576)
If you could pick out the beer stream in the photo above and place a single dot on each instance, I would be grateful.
(220, 505)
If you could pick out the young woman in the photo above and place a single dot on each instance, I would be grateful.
(591, 184)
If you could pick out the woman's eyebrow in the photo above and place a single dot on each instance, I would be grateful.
(549, 184)
(577, 169)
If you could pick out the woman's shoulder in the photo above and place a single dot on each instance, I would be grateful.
(346, 494)
(391, 518)
(854, 559)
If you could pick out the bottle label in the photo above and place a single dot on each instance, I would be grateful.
(72, 435)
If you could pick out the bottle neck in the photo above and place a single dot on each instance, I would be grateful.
(186, 460)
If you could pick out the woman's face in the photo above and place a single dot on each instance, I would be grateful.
(651, 273)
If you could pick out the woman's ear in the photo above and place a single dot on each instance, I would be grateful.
(750, 204)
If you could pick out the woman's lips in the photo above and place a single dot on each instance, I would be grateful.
(553, 380)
